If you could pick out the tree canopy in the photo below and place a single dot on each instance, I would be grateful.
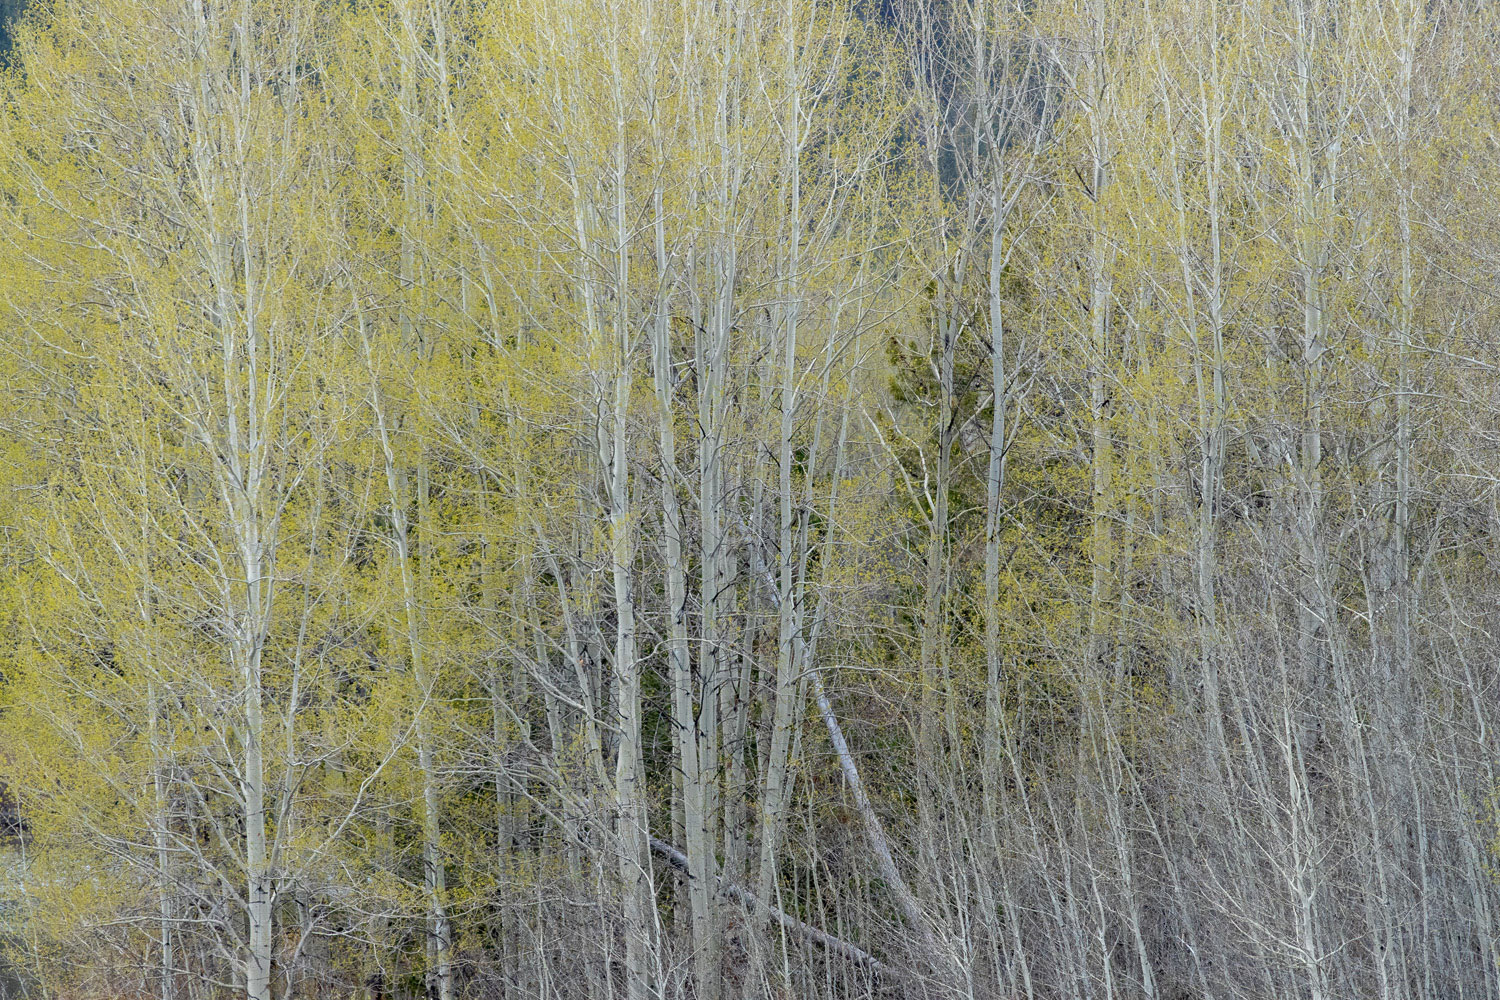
(709, 499)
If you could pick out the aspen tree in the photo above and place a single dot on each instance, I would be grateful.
(587, 94)
(982, 498)
(788, 689)
(1095, 90)
(695, 754)
(408, 477)
(218, 340)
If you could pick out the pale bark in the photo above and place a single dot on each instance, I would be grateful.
(786, 708)
(687, 734)
(614, 455)
(911, 910)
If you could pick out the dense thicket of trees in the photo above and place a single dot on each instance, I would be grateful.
(933, 498)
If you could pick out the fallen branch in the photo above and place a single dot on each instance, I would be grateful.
(821, 938)
(911, 910)
(874, 833)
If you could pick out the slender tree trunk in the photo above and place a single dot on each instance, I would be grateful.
(786, 709)
(630, 790)
(994, 491)
(439, 932)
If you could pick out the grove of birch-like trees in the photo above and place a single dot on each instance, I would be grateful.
(728, 499)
